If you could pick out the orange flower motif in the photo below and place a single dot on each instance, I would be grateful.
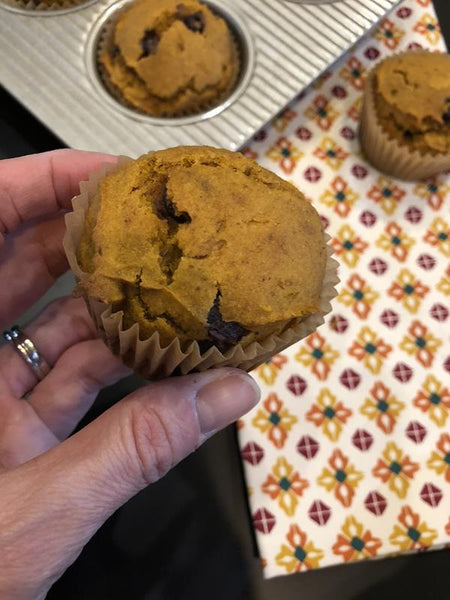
(340, 198)
(429, 27)
(321, 80)
(274, 420)
(396, 469)
(359, 295)
(321, 112)
(354, 73)
(440, 461)
(370, 349)
(389, 34)
(444, 284)
(420, 343)
(249, 153)
(408, 290)
(285, 484)
(382, 407)
(301, 554)
(395, 241)
(413, 534)
(329, 413)
(348, 245)
(268, 372)
(283, 119)
(354, 543)
(318, 355)
(447, 527)
(386, 194)
(434, 399)
(433, 191)
(331, 153)
(343, 478)
(285, 154)
(354, 112)
(424, 3)
(439, 236)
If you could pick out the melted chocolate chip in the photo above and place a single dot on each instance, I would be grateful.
(447, 100)
(224, 334)
(114, 52)
(149, 43)
(446, 117)
(195, 22)
(166, 210)
(407, 134)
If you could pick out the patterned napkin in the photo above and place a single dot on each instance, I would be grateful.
(348, 455)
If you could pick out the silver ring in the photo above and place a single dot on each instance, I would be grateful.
(27, 351)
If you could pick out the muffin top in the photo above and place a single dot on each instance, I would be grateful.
(412, 99)
(169, 56)
(203, 244)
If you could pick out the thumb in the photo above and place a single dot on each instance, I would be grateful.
(75, 487)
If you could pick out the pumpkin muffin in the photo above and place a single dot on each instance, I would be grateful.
(170, 57)
(407, 108)
(199, 244)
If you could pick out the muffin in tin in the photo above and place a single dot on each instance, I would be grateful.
(169, 57)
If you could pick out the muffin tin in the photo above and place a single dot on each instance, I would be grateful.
(49, 64)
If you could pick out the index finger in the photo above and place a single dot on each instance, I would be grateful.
(42, 184)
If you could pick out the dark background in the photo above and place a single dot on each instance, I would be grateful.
(189, 536)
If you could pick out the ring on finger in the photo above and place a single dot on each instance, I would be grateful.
(28, 351)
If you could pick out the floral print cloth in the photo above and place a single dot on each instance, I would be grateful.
(348, 455)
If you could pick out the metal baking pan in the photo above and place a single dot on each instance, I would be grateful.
(47, 61)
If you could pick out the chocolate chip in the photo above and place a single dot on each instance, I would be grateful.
(149, 43)
(224, 334)
(446, 117)
(195, 22)
(114, 52)
(447, 100)
(166, 210)
(407, 134)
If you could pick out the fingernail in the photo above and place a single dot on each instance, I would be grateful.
(224, 400)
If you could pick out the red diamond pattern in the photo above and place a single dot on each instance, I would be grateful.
(413, 215)
(308, 447)
(359, 171)
(375, 503)
(260, 136)
(416, 432)
(252, 453)
(350, 379)
(339, 92)
(426, 261)
(389, 318)
(338, 323)
(319, 512)
(372, 53)
(362, 440)
(312, 174)
(439, 312)
(402, 372)
(404, 12)
(263, 520)
(367, 218)
(447, 364)
(378, 266)
(348, 133)
(431, 494)
(296, 384)
(303, 133)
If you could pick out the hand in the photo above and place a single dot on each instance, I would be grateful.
(56, 492)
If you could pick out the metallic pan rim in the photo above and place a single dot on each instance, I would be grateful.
(51, 12)
(238, 26)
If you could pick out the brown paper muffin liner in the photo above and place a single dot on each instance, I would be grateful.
(40, 6)
(386, 153)
(105, 44)
(147, 357)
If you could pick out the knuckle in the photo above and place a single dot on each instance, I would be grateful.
(152, 442)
